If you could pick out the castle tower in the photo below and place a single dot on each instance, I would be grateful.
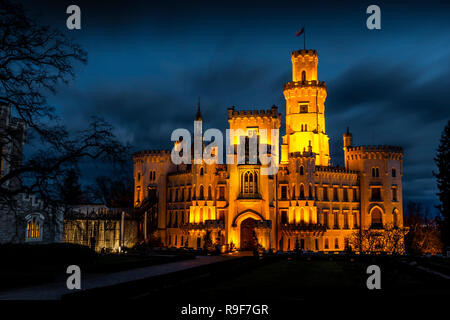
(305, 108)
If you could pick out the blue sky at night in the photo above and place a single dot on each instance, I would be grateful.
(149, 62)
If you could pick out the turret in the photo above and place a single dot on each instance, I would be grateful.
(305, 108)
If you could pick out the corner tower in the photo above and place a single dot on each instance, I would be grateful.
(305, 108)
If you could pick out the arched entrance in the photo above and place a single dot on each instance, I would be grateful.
(248, 235)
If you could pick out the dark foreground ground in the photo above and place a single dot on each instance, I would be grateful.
(289, 285)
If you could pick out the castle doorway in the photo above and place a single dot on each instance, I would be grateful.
(248, 235)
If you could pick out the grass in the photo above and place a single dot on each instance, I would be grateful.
(309, 280)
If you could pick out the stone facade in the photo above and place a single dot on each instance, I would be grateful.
(308, 203)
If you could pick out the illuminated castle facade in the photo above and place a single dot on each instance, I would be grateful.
(308, 203)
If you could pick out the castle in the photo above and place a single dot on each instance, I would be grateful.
(308, 203)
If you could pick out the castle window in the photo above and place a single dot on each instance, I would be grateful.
(201, 171)
(310, 192)
(355, 220)
(394, 173)
(202, 195)
(284, 219)
(336, 243)
(249, 183)
(222, 193)
(33, 232)
(209, 193)
(375, 172)
(283, 192)
(301, 171)
(345, 194)
(336, 220)
(394, 194)
(345, 220)
(327, 245)
(303, 108)
(377, 222)
(293, 192)
(303, 75)
(302, 192)
(335, 194)
(376, 194)
(395, 218)
(316, 244)
(139, 176)
(325, 193)
(355, 195)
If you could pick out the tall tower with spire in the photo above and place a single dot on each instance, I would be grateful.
(305, 108)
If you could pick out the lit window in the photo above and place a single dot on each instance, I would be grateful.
(34, 227)
(303, 108)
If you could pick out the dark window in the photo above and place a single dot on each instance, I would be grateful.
(327, 245)
(202, 196)
(377, 222)
(336, 243)
(316, 244)
(335, 194)
(345, 194)
(301, 170)
(355, 195)
(201, 171)
(303, 75)
(221, 193)
(209, 193)
(302, 243)
(283, 192)
(376, 194)
(284, 218)
(325, 193)
(394, 194)
(304, 109)
(302, 192)
(394, 173)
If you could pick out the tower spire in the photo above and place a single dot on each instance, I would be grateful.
(198, 116)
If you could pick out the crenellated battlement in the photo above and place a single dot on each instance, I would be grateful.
(303, 53)
(151, 153)
(375, 152)
(305, 84)
(270, 113)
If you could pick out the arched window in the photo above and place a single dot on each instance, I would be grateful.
(302, 192)
(293, 192)
(394, 173)
(336, 243)
(249, 183)
(377, 220)
(302, 171)
(395, 217)
(209, 193)
(202, 195)
(310, 192)
(34, 223)
(303, 75)
(201, 171)
(327, 244)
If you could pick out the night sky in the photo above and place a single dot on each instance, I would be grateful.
(150, 61)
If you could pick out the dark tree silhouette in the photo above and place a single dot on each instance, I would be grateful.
(115, 193)
(423, 236)
(442, 160)
(70, 190)
(34, 60)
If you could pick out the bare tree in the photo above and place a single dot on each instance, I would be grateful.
(34, 60)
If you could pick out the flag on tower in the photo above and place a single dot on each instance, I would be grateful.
(299, 33)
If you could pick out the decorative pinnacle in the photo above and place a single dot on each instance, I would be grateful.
(198, 116)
